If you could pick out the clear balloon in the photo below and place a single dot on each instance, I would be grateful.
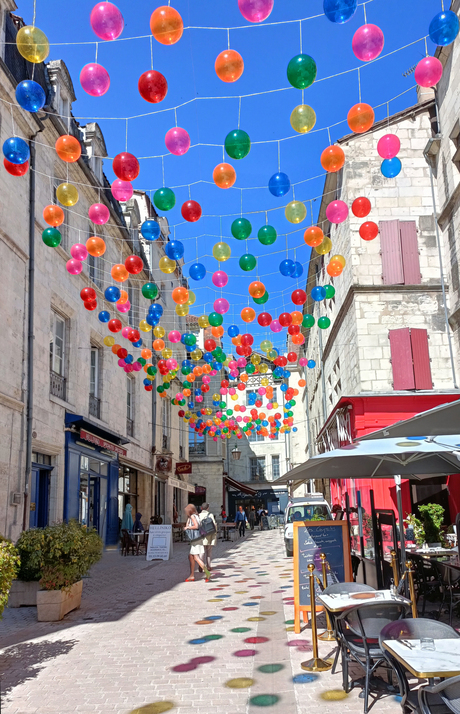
(360, 118)
(303, 119)
(152, 86)
(444, 28)
(122, 190)
(166, 25)
(177, 141)
(337, 211)
(98, 214)
(237, 144)
(224, 175)
(32, 44)
(390, 168)
(255, 10)
(339, 11)
(428, 72)
(30, 95)
(368, 42)
(106, 21)
(295, 212)
(94, 79)
(301, 71)
(279, 184)
(229, 66)
(388, 146)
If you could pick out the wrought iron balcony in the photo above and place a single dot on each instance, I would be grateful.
(94, 406)
(129, 427)
(57, 385)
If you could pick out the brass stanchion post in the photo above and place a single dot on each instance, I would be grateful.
(394, 565)
(328, 635)
(316, 664)
(410, 577)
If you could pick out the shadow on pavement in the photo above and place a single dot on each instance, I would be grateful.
(20, 663)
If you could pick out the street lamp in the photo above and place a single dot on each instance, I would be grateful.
(236, 453)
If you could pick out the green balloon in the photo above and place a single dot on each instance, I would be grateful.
(222, 405)
(237, 144)
(267, 235)
(150, 291)
(324, 322)
(152, 371)
(186, 370)
(51, 237)
(262, 300)
(241, 228)
(308, 321)
(301, 71)
(249, 369)
(160, 389)
(164, 199)
(186, 384)
(215, 320)
(330, 291)
(166, 385)
(247, 262)
(142, 361)
(229, 412)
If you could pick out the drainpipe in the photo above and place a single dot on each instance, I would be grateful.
(154, 435)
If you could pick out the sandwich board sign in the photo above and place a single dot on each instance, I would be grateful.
(159, 546)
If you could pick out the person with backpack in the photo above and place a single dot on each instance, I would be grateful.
(196, 545)
(209, 523)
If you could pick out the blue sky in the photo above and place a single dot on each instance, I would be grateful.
(189, 69)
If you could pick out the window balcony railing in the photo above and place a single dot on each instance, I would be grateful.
(57, 385)
(165, 442)
(181, 452)
(129, 427)
(94, 406)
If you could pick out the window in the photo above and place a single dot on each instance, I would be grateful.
(94, 264)
(400, 258)
(455, 138)
(308, 512)
(94, 401)
(257, 465)
(254, 436)
(57, 344)
(275, 395)
(127, 489)
(196, 442)
(166, 422)
(275, 467)
(130, 406)
(410, 359)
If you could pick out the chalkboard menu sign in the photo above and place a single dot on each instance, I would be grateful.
(265, 523)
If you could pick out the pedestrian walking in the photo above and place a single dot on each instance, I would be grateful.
(252, 517)
(197, 552)
(259, 516)
(223, 514)
(240, 520)
(210, 540)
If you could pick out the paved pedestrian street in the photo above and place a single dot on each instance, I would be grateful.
(146, 641)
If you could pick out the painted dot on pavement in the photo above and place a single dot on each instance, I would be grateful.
(204, 622)
(333, 695)
(240, 683)
(214, 617)
(264, 700)
(297, 643)
(198, 641)
(250, 604)
(241, 629)
(215, 599)
(215, 589)
(227, 609)
(289, 622)
(187, 667)
(257, 597)
(304, 678)
(221, 596)
(154, 708)
(270, 612)
(256, 619)
(290, 629)
(201, 660)
(270, 668)
(209, 638)
(256, 640)
(244, 653)
(241, 592)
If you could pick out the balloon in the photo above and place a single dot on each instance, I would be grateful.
(388, 146)
(191, 211)
(174, 249)
(114, 325)
(16, 169)
(318, 293)
(53, 215)
(74, 267)
(301, 71)
(233, 331)
(67, 194)
(152, 86)
(391, 167)
(30, 95)
(303, 119)
(229, 66)
(361, 207)
(241, 228)
(248, 314)
(79, 252)
(237, 144)
(121, 190)
(313, 236)
(215, 320)
(287, 267)
(126, 167)
(324, 247)
(308, 321)
(112, 293)
(174, 336)
(119, 273)
(16, 151)
(221, 305)
(150, 229)
(334, 269)
(340, 259)
(164, 199)
(330, 291)
(298, 270)
(367, 42)
(275, 326)
(297, 317)
(262, 300)
(220, 279)
(285, 319)
(203, 321)
(255, 10)
(221, 252)
(369, 230)
(444, 28)
(339, 11)
(264, 319)
(167, 265)
(295, 212)
(332, 158)
(68, 148)
(32, 44)
(106, 21)
(256, 289)
(51, 237)
(299, 297)
(123, 306)
(150, 291)
(324, 322)
(166, 25)
(197, 271)
(428, 72)
(123, 297)
(337, 211)
(94, 79)
(134, 264)
(267, 235)
(98, 213)
(224, 175)
(279, 184)
(247, 262)
(360, 118)
(180, 295)
(177, 141)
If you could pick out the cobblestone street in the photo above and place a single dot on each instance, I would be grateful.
(145, 641)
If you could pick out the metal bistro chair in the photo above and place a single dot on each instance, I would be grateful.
(428, 583)
(361, 628)
(413, 630)
(442, 698)
(127, 543)
(450, 580)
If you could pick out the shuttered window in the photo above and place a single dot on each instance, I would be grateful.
(400, 258)
(410, 359)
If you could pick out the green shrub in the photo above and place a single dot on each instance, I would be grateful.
(9, 563)
(432, 516)
(30, 547)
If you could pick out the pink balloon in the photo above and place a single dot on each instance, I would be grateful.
(238, 419)
(106, 21)
(275, 326)
(137, 366)
(125, 332)
(74, 267)
(121, 362)
(220, 278)
(232, 365)
(367, 42)
(428, 72)
(213, 372)
(122, 190)
(199, 398)
(303, 361)
(232, 390)
(79, 252)
(99, 214)
(177, 141)
(388, 146)
(255, 10)
(243, 409)
(94, 79)
(337, 211)
(206, 379)
(123, 307)
(221, 305)
(171, 363)
(128, 368)
(269, 405)
(261, 391)
(223, 391)
(241, 362)
(174, 336)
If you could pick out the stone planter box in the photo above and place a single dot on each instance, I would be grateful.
(23, 594)
(52, 605)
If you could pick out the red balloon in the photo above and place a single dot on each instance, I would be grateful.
(114, 325)
(134, 264)
(90, 304)
(264, 319)
(282, 361)
(361, 207)
(122, 353)
(134, 336)
(191, 211)
(294, 329)
(209, 345)
(16, 169)
(224, 383)
(153, 87)
(126, 167)
(88, 294)
(241, 386)
(292, 357)
(299, 297)
(239, 350)
(148, 387)
(285, 319)
(246, 351)
(247, 340)
(369, 230)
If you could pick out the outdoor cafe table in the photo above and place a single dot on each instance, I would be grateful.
(340, 603)
(137, 537)
(443, 661)
(226, 530)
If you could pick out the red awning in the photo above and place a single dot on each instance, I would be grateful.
(231, 483)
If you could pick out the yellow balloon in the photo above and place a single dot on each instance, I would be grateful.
(227, 361)
(159, 331)
(272, 354)
(209, 411)
(275, 405)
(166, 265)
(216, 397)
(182, 310)
(295, 212)
(303, 118)
(263, 369)
(32, 44)
(266, 345)
(67, 194)
(203, 321)
(187, 415)
(150, 376)
(340, 259)
(196, 355)
(109, 341)
(255, 359)
(144, 326)
(234, 397)
(167, 353)
(325, 246)
(221, 252)
(191, 298)
(264, 382)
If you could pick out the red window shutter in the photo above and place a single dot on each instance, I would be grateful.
(401, 359)
(421, 359)
(390, 241)
(409, 252)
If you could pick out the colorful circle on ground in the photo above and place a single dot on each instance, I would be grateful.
(154, 708)
(270, 668)
(164, 199)
(32, 44)
(303, 119)
(367, 42)
(339, 11)
(279, 184)
(304, 678)
(264, 700)
(106, 21)
(333, 695)
(94, 79)
(240, 683)
(256, 619)
(241, 629)
(237, 144)
(229, 66)
(30, 95)
(255, 10)
(152, 86)
(269, 612)
(301, 71)
(360, 118)
(241, 228)
(245, 653)
(166, 25)
(444, 28)
(390, 168)
(428, 72)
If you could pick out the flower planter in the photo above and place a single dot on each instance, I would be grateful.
(23, 594)
(52, 605)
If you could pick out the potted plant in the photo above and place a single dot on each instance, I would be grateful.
(9, 563)
(415, 525)
(432, 516)
(24, 589)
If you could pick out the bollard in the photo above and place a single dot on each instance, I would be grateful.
(410, 577)
(328, 635)
(316, 664)
(394, 565)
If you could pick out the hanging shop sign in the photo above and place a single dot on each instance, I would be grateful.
(103, 443)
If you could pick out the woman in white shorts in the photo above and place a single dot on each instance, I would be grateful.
(196, 554)
(210, 539)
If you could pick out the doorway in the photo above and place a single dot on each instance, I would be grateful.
(93, 503)
(39, 496)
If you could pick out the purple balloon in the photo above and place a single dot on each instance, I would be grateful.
(94, 79)
(122, 190)
(368, 42)
(106, 21)
(275, 326)
(388, 146)
(221, 305)
(220, 278)
(177, 141)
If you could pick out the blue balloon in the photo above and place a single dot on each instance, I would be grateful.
(152, 319)
(174, 250)
(287, 267)
(311, 364)
(156, 309)
(146, 382)
(339, 11)
(112, 293)
(104, 316)
(284, 387)
(197, 271)
(318, 293)
(208, 357)
(391, 167)
(286, 374)
(298, 270)
(190, 405)
(279, 184)
(16, 150)
(444, 28)
(129, 359)
(30, 95)
(217, 366)
(186, 363)
(150, 229)
(233, 331)
(137, 344)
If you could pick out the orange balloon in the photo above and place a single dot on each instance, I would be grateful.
(146, 353)
(123, 297)
(224, 175)
(53, 215)
(191, 377)
(313, 236)
(115, 348)
(334, 269)
(262, 415)
(186, 392)
(248, 314)
(298, 339)
(297, 317)
(158, 345)
(68, 148)
(332, 158)
(207, 368)
(180, 295)
(236, 340)
(146, 366)
(229, 66)
(301, 382)
(119, 273)
(217, 331)
(296, 391)
(256, 289)
(360, 118)
(166, 25)
(95, 246)
(244, 377)
(197, 371)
